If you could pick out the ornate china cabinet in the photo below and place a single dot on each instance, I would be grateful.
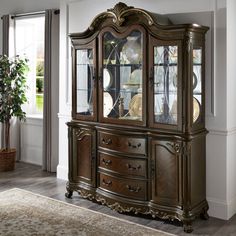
(137, 135)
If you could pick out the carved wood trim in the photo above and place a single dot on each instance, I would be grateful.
(163, 215)
(146, 210)
(81, 133)
(86, 194)
(176, 147)
(119, 207)
(173, 147)
(118, 14)
(188, 41)
(186, 150)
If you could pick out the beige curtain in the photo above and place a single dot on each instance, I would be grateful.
(8, 44)
(51, 91)
(5, 34)
(8, 48)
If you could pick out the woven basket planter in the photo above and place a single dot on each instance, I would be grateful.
(7, 159)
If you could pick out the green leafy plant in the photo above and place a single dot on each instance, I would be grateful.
(39, 76)
(12, 92)
(40, 68)
(39, 83)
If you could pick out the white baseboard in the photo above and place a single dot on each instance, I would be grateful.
(221, 209)
(62, 172)
(217, 208)
(232, 208)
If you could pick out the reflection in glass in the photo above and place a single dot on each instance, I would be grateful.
(122, 76)
(107, 79)
(84, 82)
(165, 84)
(197, 83)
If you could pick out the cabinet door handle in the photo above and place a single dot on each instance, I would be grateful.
(106, 162)
(130, 167)
(151, 77)
(94, 74)
(133, 189)
(134, 145)
(107, 183)
(100, 76)
(107, 142)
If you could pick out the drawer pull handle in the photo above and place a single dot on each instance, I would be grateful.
(107, 183)
(133, 189)
(107, 142)
(106, 162)
(133, 145)
(130, 167)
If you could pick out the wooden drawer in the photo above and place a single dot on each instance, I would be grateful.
(124, 165)
(136, 189)
(122, 143)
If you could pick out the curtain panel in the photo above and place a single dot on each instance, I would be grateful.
(51, 91)
(5, 34)
(8, 48)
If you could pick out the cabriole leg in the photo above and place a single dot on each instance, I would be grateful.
(204, 215)
(69, 193)
(188, 226)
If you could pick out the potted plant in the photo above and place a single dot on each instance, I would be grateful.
(12, 97)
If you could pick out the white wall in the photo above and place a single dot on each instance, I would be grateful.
(220, 84)
(65, 93)
(31, 138)
(231, 106)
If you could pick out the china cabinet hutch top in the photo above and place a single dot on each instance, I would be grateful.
(137, 135)
(138, 67)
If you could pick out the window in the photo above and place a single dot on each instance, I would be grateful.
(29, 42)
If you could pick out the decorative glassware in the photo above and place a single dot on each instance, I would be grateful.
(132, 50)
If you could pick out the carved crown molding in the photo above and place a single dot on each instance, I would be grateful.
(118, 14)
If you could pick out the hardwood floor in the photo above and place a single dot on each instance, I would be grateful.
(30, 177)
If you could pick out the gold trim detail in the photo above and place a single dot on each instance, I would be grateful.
(81, 133)
(176, 147)
(121, 208)
(85, 194)
(118, 14)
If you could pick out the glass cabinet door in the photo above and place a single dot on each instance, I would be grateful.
(165, 83)
(197, 85)
(122, 77)
(85, 93)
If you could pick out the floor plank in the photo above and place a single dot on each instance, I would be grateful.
(32, 178)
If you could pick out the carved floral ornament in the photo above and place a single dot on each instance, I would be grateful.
(118, 14)
(125, 208)
(81, 133)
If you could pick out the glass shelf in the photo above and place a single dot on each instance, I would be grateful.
(84, 64)
(129, 65)
(133, 90)
(81, 89)
(197, 93)
(165, 64)
(170, 92)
